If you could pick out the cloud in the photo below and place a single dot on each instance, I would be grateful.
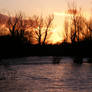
(69, 13)
(62, 14)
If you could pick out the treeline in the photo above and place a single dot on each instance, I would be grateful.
(30, 36)
(78, 31)
(35, 29)
(78, 26)
(23, 34)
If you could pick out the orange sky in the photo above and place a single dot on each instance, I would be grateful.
(44, 8)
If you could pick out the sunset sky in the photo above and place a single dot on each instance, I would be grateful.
(41, 6)
(45, 7)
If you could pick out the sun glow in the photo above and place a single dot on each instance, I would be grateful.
(56, 36)
(58, 33)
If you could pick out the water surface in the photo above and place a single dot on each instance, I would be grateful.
(38, 74)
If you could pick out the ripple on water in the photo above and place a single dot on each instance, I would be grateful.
(65, 77)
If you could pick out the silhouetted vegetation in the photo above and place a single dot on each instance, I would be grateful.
(40, 28)
(30, 36)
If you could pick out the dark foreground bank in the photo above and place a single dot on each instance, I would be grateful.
(17, 47)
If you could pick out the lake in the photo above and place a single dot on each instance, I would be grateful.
(38, 74)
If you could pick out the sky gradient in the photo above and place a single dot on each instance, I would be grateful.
(41, 6)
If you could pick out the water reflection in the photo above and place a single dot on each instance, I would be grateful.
(63, 77)
(89, 60)
(78, 60)
(56, 60)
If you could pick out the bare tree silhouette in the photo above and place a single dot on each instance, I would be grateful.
(40, 28)
(66, 34)
(48, 27)
(77, 28)
(89, 29)
(16, 25)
